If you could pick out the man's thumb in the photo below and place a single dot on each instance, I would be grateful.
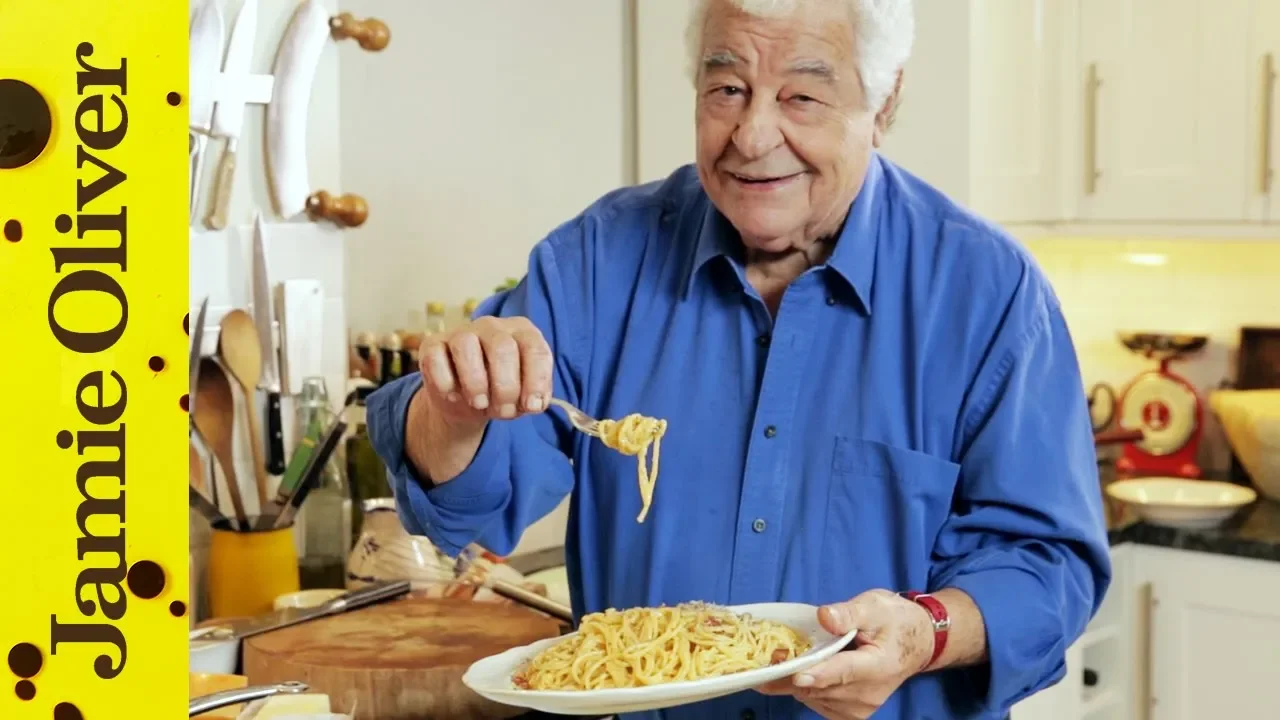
(840, 618)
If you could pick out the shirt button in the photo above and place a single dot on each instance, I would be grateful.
(763, 340)
(831, 300)
(759, 525)
(770, 431)
(748, 715)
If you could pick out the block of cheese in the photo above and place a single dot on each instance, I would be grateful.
(282, 707)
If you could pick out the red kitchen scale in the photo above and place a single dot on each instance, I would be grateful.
(1164, 406)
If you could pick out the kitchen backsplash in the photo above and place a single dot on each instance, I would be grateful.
(1210, 287)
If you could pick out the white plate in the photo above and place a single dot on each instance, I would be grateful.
(491, 677)
(1180, 503)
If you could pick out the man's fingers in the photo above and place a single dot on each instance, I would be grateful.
(535, 367)
(839, 618)
(843, 668)
(438, 368)
(469, 367)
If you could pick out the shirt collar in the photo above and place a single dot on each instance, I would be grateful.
(853, 258)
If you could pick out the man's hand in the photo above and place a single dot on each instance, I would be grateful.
(894, 642)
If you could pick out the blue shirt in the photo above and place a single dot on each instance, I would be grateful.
(913, 418)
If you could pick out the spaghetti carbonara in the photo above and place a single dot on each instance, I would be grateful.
(652, 646)
(634, 435)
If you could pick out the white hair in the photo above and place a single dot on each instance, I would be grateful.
(884, 29)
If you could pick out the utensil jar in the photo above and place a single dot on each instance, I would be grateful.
(249, 570)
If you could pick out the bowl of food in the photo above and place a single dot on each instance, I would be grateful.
(1251, 421)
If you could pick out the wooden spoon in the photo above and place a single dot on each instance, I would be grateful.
(215, 418)
(241, 353)
(197, 470)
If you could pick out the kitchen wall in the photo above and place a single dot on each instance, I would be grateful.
(221, 262)
(1208, 286)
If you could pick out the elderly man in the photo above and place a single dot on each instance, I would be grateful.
(871, 392)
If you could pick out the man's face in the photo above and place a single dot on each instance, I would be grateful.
(784, 131)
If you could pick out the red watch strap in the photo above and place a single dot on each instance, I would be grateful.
(941, 622)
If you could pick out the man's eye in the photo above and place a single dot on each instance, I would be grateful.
(731, 91)
(803, 99)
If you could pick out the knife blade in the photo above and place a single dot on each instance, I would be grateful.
(193, 369)
(264, 320)
(228, 113)
(303, 43)
(205, 58)
(380, 592)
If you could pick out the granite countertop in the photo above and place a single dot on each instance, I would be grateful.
(1254, 532)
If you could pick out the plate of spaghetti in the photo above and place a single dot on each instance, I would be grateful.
(651, 658)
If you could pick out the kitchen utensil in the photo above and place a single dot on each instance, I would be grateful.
(228, 113)
(397, 659)
(1102, 406)
(216, 421)
(491, 677)
(241, 353)
(581, 421)
(1251, 421)
(346, 210)
(307, 599)
(1164, 406)
(302, 314)
(1180, 502)
(273, 621)
(193, 358)
(196, 470)
(205, 59)
(235, 697)
(249, 569)
(202, 683)
(286, 131)
(372, 34)
(386, 551)
(293, 474)
(264, 319)
(311, 476)
(204, 507)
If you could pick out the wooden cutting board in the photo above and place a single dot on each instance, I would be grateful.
(399, 660)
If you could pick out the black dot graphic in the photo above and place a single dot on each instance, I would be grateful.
(25, 690)
(177, 608)
(186, 324)
(64, 439)
(145, 579)
(156, 363)
(173, 99)
(25, 660)
(66, 711)
(62, 223)
(185, 402)
(12, 231)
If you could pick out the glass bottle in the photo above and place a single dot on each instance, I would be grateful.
(365, 471)
(436, 321)
(325, 517)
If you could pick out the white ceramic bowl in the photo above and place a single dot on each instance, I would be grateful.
(1181, 503)
(216, 657)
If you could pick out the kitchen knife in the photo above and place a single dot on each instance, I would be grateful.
(249, 627)
(193, 368)
(205, 59)
(311, 476)
(286, 131)
(228, 113)
(264, 320)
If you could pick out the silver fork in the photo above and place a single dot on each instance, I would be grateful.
(581, 421)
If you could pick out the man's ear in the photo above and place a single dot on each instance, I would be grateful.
(888, 112)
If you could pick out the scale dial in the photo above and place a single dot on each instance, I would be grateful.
(1163, 409)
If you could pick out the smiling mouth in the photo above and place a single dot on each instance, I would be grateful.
(763, 181)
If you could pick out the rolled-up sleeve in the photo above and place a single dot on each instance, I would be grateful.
(1026, 540)
(521, 470)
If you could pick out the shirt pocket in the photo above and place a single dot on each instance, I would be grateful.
(885, 508)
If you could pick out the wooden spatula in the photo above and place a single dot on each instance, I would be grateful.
(241, 353)
(215, 417)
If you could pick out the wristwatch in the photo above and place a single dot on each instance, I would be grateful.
(941, 622)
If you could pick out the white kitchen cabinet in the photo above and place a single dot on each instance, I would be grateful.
(1215, 635)
(1264, 109)
(1164, 98)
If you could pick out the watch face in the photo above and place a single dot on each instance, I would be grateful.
(25, 124)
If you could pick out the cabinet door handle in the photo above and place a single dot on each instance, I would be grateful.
(1091, 171)
(1265, 171)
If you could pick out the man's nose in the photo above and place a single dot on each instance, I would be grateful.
(759, 131)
